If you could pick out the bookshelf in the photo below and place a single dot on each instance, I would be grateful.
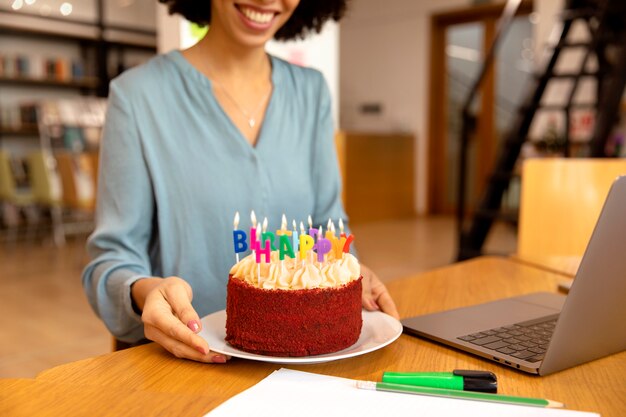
(87, 83)
(54, 75)
(49, 57)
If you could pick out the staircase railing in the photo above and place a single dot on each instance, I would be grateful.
(468, 117)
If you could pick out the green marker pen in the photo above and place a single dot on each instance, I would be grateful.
(461, 380)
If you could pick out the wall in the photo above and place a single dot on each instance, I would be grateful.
(385, 60)
(385, 57)
(319, 51)
(170, 30)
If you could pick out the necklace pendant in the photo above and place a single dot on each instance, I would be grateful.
(251, 122)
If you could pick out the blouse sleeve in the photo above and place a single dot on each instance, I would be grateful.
(119, 245)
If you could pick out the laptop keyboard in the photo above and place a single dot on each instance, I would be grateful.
(527, 341)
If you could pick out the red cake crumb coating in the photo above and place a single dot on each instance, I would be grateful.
(292, 322)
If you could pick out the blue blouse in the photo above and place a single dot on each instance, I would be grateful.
(174, 169)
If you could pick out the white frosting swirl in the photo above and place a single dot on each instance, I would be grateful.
(294, 274)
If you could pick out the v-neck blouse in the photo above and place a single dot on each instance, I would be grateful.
(174, 169)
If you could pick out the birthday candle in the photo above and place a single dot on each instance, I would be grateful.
(263, 248)
(294, 239)
(330, 231)
(253, 218)
(239, 238)
(319, 238)
(270, 237)
(323, 247)
(346, 247)
(306, 244)
(337, 246)
(254, 235)
(257, 238)
(284, 248)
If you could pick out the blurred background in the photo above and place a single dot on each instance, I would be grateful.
(425, 96)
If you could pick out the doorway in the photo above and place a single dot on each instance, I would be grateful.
(459, 41)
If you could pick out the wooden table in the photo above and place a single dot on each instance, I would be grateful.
(564, 265)
(148, 380)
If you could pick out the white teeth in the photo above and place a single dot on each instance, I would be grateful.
(257, 17)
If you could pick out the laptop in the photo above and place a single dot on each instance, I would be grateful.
(543, 333)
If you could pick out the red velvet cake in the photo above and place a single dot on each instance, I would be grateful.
(288, 315)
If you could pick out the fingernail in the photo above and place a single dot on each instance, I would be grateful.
(218, 359)
(374, 305)
(193, 325)
(202, 350)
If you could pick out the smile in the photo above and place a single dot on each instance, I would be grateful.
(255, 15)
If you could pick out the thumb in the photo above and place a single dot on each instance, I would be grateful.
(367, 298)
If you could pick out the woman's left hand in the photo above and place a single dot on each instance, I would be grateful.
(375, 294)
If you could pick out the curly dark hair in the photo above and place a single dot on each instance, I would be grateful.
(310, 15)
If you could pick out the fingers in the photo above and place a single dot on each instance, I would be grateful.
(179, 298)
(171, 321)
(367, 298)
(375, 294)
(181, 350)
(168, 324)
(386, 304)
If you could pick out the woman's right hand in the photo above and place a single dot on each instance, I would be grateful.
(170, 320)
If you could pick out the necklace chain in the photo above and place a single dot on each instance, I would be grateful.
(250, 118)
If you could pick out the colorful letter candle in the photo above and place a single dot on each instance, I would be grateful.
(253, 237)
(306, 244)
(265, 250)
(239, 238)
(294, 238)
(265, 236)
(338, 245)
(285, 247)
(323, 247)
(346, 247)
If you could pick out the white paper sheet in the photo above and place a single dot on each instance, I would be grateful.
(293, 393)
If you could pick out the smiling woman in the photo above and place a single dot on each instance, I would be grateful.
(193, 136)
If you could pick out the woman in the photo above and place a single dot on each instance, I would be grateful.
(192, 137)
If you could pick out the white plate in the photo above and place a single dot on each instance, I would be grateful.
(379, 330)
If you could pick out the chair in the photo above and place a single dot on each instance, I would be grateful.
(77, 178)
(46, 190)
(561, 200)
(11, 195)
